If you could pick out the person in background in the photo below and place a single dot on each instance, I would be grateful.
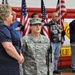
(34, 47)
(10, 56)
(72, 43)
(14, 16)
(56, 32)
(35, 15)
(16, 26)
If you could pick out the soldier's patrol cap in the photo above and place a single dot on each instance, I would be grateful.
(35, 21)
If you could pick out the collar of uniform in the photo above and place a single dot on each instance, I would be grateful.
(35, 39)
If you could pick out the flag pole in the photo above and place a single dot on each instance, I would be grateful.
(60, 11)
(43, 11)
(61, 7)
(61, 38)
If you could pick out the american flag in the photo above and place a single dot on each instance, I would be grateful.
(24, 18)
(44, 19)
(61, 10)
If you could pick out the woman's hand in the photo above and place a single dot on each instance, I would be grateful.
(21, 60)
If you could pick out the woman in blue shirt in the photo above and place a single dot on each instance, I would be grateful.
(10, 56)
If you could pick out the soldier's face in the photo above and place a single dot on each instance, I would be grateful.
(36, 28)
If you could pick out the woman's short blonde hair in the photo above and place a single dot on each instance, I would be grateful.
(4, 11)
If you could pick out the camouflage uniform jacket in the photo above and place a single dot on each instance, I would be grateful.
(34, 52)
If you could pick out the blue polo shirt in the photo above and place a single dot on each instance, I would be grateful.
(8, 35)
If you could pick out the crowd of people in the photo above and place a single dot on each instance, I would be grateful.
(31, 51)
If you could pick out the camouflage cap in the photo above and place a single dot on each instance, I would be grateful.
(35, 21)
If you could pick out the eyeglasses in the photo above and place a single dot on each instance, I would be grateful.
(56, 16)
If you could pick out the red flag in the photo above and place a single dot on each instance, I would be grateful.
(61, 10)
(24, 18)
(44, 19)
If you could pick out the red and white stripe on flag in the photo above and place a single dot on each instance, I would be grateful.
(24, 18)
(44, 20)
(45, 28)
(61, 10)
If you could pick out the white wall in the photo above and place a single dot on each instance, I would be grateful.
(37, 3)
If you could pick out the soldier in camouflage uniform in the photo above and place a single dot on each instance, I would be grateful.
(34, 48)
